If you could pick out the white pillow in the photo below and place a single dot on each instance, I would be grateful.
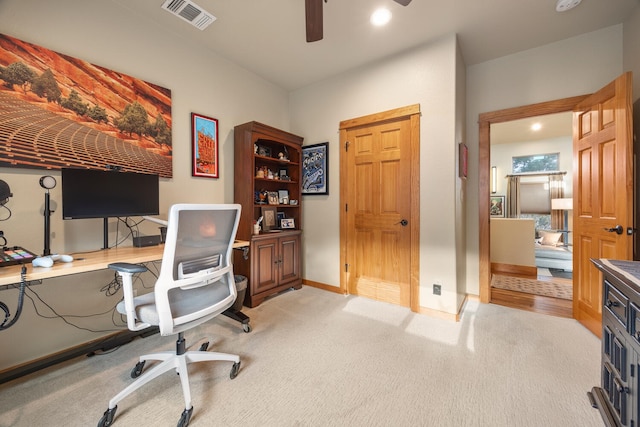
(550, 239)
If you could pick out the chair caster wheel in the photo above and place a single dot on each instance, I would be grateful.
(246, 327)
(137, 370)
(234, 370)
(107, 418)
(185, 418)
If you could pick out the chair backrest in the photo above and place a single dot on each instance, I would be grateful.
(196, 280)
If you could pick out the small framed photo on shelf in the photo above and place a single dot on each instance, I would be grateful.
(497, 208)
(280, 216)
(269, 214)
(287, 223)
(283, 197)
(273, 198)
(204, 143)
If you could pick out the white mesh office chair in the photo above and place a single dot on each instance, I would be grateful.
(195, 284)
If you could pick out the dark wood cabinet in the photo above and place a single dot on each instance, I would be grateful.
(617, 397)
(268, 162)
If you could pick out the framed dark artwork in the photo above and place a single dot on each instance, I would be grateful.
(58, 107)
(463, 160)
(315, 169)
(269, 215)
(497, 208)
(204, 144)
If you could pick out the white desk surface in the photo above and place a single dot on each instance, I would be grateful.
(88, 261)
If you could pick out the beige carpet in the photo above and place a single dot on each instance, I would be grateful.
(555, 289)
(316, 358)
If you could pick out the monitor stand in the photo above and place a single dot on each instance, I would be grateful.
(105, 231)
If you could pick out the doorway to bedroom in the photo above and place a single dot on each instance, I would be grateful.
(531, 236)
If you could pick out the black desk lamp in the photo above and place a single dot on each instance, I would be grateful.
(47, 182)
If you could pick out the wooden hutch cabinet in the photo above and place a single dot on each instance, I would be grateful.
(266, 182)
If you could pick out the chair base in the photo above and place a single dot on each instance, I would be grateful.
(170, 360)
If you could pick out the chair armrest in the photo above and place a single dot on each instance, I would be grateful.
(125, 267)
(126, 271)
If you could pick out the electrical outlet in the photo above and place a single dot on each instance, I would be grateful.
(437, 289)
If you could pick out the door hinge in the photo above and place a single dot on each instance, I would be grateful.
(346, 146)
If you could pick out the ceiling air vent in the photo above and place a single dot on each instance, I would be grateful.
(190, 12)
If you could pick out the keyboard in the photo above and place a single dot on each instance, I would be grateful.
(15, 255)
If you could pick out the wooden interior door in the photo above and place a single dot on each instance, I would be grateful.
(603, 184)
(379, 190)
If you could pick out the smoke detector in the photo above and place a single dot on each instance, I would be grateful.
(190, 12)
(564, 5)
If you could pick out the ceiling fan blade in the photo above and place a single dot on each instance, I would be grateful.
(313, 12)
(403, 2)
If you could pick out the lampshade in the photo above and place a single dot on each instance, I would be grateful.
(565, 204)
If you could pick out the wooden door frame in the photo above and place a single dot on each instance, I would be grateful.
(413, 113)
(485, 120)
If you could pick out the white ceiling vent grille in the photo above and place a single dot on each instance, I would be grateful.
(190, 12)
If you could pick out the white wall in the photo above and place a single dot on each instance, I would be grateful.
(105, 34)
(425, 76)
(558, 70)
(632, 49)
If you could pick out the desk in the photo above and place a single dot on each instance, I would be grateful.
(84, 263)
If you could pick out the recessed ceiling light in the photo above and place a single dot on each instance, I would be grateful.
(381, 17)
(564, 5)
(536, 126)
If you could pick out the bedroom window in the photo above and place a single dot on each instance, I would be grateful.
(536, 163)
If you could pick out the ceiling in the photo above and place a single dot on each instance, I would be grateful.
(267, 37)
(551, 126)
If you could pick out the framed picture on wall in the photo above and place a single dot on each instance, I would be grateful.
(497, 208)
(315, 169)
(204, 140)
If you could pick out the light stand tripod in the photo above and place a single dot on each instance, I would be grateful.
(47, 182)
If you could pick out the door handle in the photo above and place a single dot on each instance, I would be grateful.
(618, 229)
(403, 223)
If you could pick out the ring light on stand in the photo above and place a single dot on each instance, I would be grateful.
(47, 182)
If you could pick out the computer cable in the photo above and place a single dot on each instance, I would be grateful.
(7, 314)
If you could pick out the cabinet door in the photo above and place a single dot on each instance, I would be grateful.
(289, 259)
(265, 265)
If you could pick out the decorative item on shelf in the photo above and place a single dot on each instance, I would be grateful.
(259, 173)
(280, 216)
(269, 215)
(264, 151)
(284, 154)
(263, 195)
(293, 202)
(256, 226)
(273, 198)
(287, 223)
(284, 175)
(269, 174)
(283, 197)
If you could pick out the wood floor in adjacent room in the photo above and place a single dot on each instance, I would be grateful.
(543, 304)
